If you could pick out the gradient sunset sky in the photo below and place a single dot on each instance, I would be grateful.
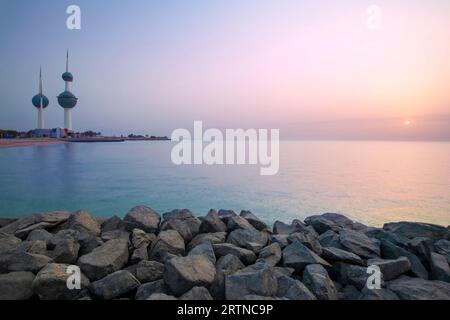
(313, 69)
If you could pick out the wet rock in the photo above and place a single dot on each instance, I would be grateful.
(440, 269)
(245, 255)
(237, 222)
(419, 289)
(183, 221)
(35, 247)
(316, 279)
(359, 244)
(183, 273)
(51, 283)
(197, 293)
(308, 240)
(113, 223)
(143, 218)
(413, 230)
(83, 222)
(331, 254)
(214, 238)
(254, 282)
(106, 259)
(253, 220)
(293, 289)
(39, 235)
(212, 223)
(391, 269)
(149, 271)
(114, 285)
(17, 260)
(250, 239)
(16, 285)
(298, 256)
(271, 254)
(147, 289)
(204, 249)
(167, 243)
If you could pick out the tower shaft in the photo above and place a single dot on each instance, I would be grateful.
(68, 119)
(41, 124)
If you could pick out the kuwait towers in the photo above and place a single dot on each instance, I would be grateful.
(67, 99)
(40, 102)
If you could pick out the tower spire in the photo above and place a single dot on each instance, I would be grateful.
(67, 61)
(40, 80)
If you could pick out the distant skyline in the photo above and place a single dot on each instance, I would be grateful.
(310, 68)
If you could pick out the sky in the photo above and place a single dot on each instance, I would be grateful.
(313, 69)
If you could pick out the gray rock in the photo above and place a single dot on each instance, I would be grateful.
(253, 220)
(317, 280)
(254, 282)
(143, 218)
(246, 256)
(250, 239)
(183, 221)
(419, 289)
(65, 252)
(381, 234)
(349, 293)
(204, 249)
(271, 254)
(391, 251)
(440, 269)
(138, 255)
(330, 239)
(225, 215)
(88, 242)
(51, 283)
(35, 247)
(113, 223)
(307, 239)
(147, 289)
(149, 271)
(214, 238)
(8, 241)
(226, 265)
(212, 223)
(106, 259)
(161, 296)
(281, 239)
(114, 285)
(63, 236)
(17, 260)
(332, 254)
(329, 221)
(16, 285)
(140, 238)
(422, 248)
(296, 226)
(5, 221)
(114, 235)
(356, 276)
(237, 222)
(391, 269)
(443, 247)
(197, 293)
(40, 234)
(183, 273)
(168, 242)
(378, 294)
(293, 289)
(298, 256)
(359, 244)
(413, 230)
(83, 222)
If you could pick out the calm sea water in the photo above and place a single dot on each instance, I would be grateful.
(372, 182)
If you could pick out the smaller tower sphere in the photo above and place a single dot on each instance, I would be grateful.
(37, 101)
(67, 76)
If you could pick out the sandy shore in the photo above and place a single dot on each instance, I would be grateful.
(16, 143)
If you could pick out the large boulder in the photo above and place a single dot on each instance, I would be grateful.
(197, 293)
(292, 289)
(260, 282)
(330, 239)
(183, 273)
(443, 247)
(281, 240)
(51, 283)
(183, 221)
(65, 252)
(332, 254)
(391, 269)
(147, 289)
(329, 221)
(83, 222)
(271, 254)
(226, 265)
(419, 289)
(298, 256)
(413, 230)
(149, 271)
(106, 259)
(307, 239)
(381, 234)
(16, 285)
(359, 243)
(204, 249)
(237, 222)
(113, 223)
(143, 218)
(225, 215)
(168, 243)
(245, 255)
(35, 247)
(440, 269)
(296, 226)
(250, 239)
(317, 280)
(422, 248)
(114, 285)
(212, 223)
(139, 238)
(214, 238)
(39, 234)
(18, 260)
(253, 220)
(352, 275)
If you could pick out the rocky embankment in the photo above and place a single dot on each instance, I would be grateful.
(220, 256)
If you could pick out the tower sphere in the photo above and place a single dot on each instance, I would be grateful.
(67, 100)
(67, 76)
(37, 101)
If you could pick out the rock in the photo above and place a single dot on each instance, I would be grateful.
(83, 222)
(197, 293)
(419, 289)
(329, 221)
(258, 282)
(140, 238)
(253, 220)
(183, 273)
(204, 249)
(353, 275)
(443, 247)
(63, 236)
(440, 269)
(250, 239)
(143, 218)
(5, 221)
(226, 265)
(161, 296)
(252, 297)
(349, 293)
(330, 239)
(40, 235)
(271, 254)
(378, 294)
(114, 235)
(391, 251)
(296, 226)
(298, 256)
(359, 244)
(293, 289)
(108, 258)
(237, 222)
(178, 214)
(413, 230)
(332, 254)
(147, 289)
(246, 256)
(212, 223)
(281, 239)
(65, 252)
(391, 269)
(23, 226)
(17, 260)
(307, 239)
(88, 242)
(114, 285)
(35, 247)
(316, 279)
(149, 271)
(381, 234)
(183, 221)
(225, 215)
(16, 285)
(113, 223)
(167, 243)
(422, 248)
(140, 254)
(51, 283)
(214, 238)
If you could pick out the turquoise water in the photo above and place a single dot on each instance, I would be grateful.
(372, 182)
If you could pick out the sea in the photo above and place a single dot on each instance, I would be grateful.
(368, 181)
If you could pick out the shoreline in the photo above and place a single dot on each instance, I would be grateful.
(21, 143)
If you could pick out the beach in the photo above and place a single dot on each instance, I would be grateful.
(18, 143)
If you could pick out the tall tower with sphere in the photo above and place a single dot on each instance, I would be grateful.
(40, 102)
(67, 99)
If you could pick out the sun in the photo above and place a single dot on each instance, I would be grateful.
(407, 122)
